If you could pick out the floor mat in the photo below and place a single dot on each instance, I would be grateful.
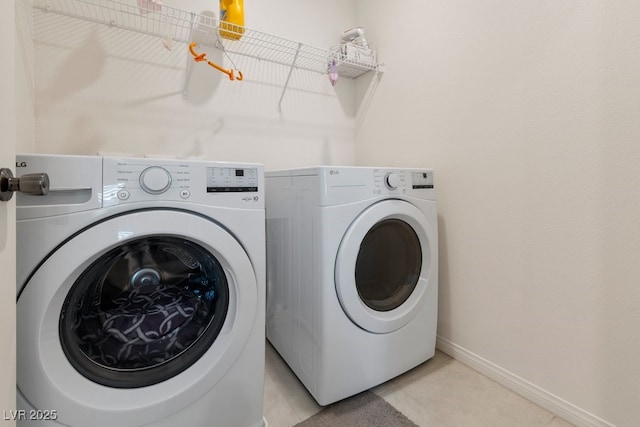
(362, 410)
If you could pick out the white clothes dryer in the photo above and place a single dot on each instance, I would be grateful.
(352, 274)
(141, 293)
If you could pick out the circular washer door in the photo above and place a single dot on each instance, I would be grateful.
(134, 318)
(384, 265)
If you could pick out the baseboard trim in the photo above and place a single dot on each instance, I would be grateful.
(549, 401)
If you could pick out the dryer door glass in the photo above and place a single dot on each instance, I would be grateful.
(144, 312)
(388, 265)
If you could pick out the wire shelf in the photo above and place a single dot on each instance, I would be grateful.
(186, 27)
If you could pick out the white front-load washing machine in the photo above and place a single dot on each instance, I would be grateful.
(352, 274)
(141, 293)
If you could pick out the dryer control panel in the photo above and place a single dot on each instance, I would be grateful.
(385, 181)
(422, 180)
(400, 181)
(343, 184)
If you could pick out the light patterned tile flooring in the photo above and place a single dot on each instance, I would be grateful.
(440, 392)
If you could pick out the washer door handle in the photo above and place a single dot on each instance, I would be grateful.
(36, 184)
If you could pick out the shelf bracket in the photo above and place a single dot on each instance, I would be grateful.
(286, 83)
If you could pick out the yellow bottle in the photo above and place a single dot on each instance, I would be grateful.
(231, 19)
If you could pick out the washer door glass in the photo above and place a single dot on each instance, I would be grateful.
(144, 311)
(388, 265)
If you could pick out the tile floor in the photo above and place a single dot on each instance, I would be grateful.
(440, 392)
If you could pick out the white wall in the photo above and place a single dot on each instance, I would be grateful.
(7, 217)
(24, 77)
(101, 89)
(529, 113)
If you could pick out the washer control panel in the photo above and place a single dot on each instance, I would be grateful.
(155, 180)
(127, 180)
(232, 180)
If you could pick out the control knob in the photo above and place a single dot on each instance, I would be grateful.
(155, 180)
(391, 180)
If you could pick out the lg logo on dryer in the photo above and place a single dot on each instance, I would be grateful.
(21, 164)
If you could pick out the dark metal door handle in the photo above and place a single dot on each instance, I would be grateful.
(36, 184)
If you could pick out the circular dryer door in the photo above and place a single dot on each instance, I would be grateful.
(384, 265)
(134, 317)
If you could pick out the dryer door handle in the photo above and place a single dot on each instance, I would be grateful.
(35, 184)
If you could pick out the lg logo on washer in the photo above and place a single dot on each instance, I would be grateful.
(21, 164)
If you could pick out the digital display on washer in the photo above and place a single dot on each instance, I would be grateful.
(232, 180)
(422, 180)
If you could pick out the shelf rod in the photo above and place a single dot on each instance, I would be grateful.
(286, 83)
(188, 68)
